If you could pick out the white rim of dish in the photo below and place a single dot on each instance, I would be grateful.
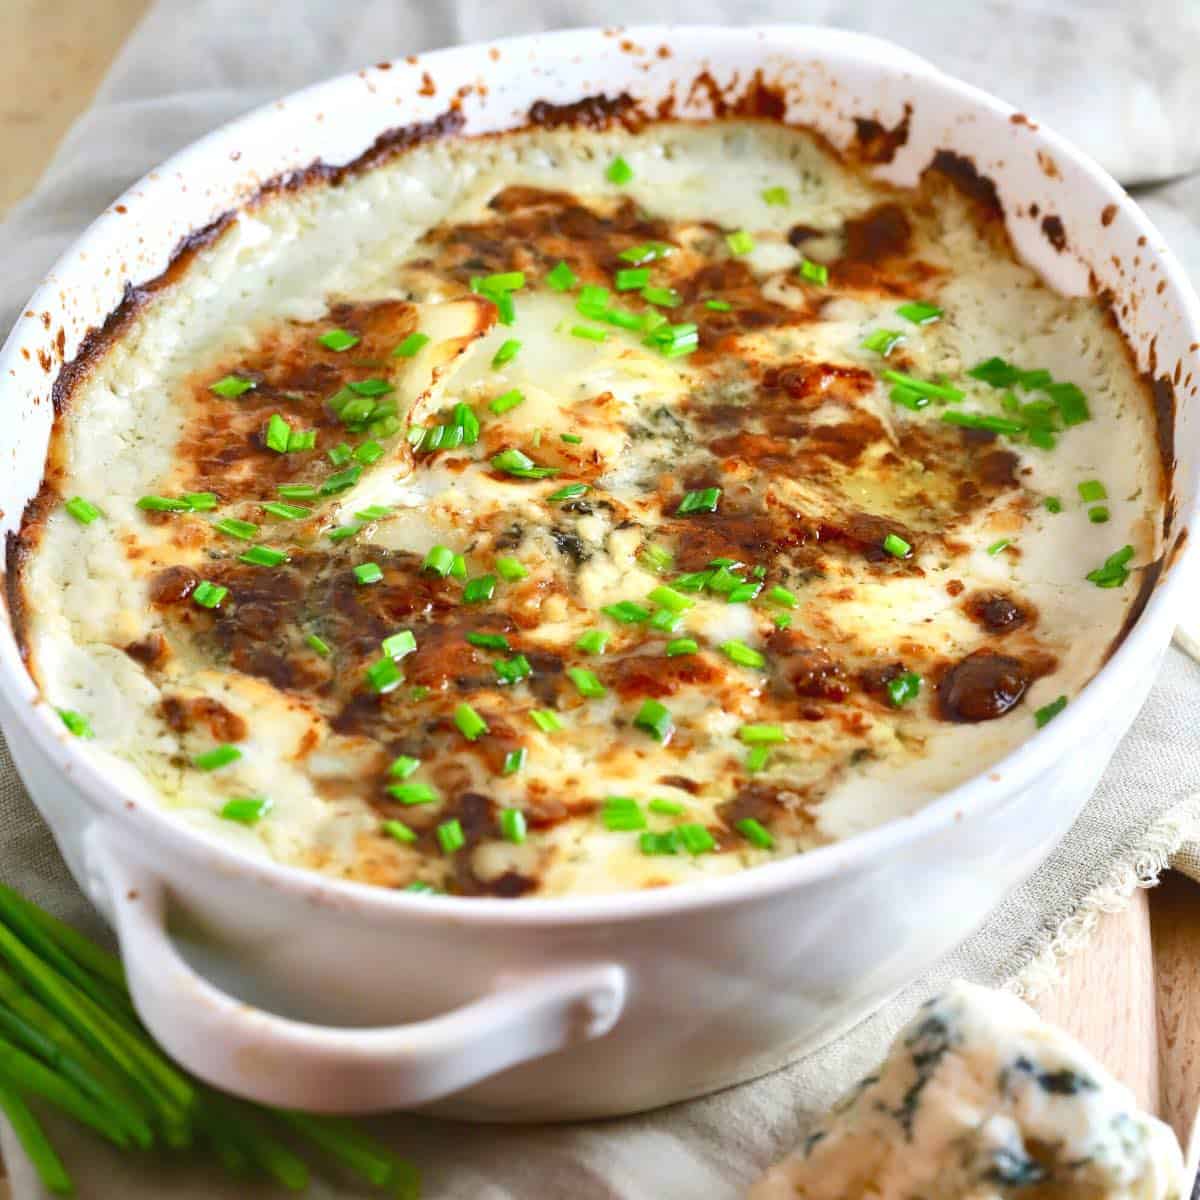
(1000, 781)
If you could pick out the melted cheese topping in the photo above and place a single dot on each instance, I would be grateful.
(780, 407)
(980, 1100)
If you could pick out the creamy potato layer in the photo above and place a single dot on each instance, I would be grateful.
(572, 511)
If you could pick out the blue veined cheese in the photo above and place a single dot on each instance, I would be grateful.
(979, 1099)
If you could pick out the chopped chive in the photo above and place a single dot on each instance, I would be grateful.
(1092, 489)
(247, 810)
(817, 273)
(338, 339)
(665, 621)
(479, 589)
(762, 735)
(996, 372)
(703, 500)
(502, 281)
(669, 598)
(775, 195)
(923, 387)
(1114, 572)
(339, 533)
(782, 620)
(318, 645)
(646, 252)
(412, 793)
(514, 761)
(513, 462)
(162, 504)
(673, 341)
(403, 765)
(1072, 403)
(626, 611)
(232, 527)
(1098, 514)
(718, 305)
(904, 688)
(586, 683)
(383, 676)
(263, 556)
(373, 512)
(370, 387)
(458, 568)
(340, 481)
(512, 670)
(297, 491)
(277, 434)
(755, 833)
(301, 439)
(882, 341)
(970, 420)
(209, 595)
(631, 279)
(998, 545)
(919, 312)
(743, 593)
(561, 278)
(592, 641)
(546, 719)
(368, 452)
(217, 757)
(439, 560)
(450, 836)
(419, 885)
(743, 655)
(722, 581)
(470, 724)
(231, 386)
(488, 641)
(76, 722)
(340, 454)
(506, 353)
(1053, 504)
(621, 814)
(757, 758)
(694, 581)
(399, 831)
(571, 438)
(682, 646)
(413, 344)
(511, 569)
(619, 172)
(368, 572)
(695, 838)
(288, 512)
(896, 546)
(418, 693)
(654, 718)
(1047, 713)
(589, 333)
(512, 823)
(663, 297)
(656, 558)
(659, 843)
(1035, 380)
(84, 511)
(739, 242)
(569, 491)
(200, 501)
(782, 596)
(665, 808)
(507, 401)
(399, 644)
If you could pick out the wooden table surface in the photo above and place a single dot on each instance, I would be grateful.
(1129, 997)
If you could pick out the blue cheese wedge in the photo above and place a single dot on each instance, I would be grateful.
(979, 1099)
(528, 533)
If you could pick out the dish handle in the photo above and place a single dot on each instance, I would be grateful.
(293, 1064)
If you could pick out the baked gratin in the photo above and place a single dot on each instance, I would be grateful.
(581, 510)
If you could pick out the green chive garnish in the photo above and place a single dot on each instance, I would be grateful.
(318, 645)
(659, 843)
(586, 683)
(508, 400)
(682, 646)
(368, 572)
(399, 831)
(631, 279)
(998, 545)
(1092, 489)
(669, 598)
(209, 595)
(340, 454)
(1098, 514)
(1072, 403)
(817, 273)
(781, 595)
(232, 527)
(754, 833)
(514, 462)
(297, 491)
(904, 688)
(502, 281)
(654, 719)
(775, 195)
(514, 761)
(479, 589)
(1048, 712)
(569, 491)
(512, 670)
(439, 560)
(403, 766)
(970, 420)
(383, 676)
(589, 333)
(896, 546)
(200, 501)
(762, 735)
(919, 313)
(162, 504)
(84, 511)
(411, 346)
(572, 439)
(218, 756)
(511, 569)
(704, 500)
(743, 655)
(1114, 572)
(922, 387)
(231, 386)
(626, 611)
(592, 641)
(287, 512)
(695, 838)
(368, 452)
(562, 278)
(470, 724)
(718, 305)
(646, 252)
(996, 372)
(450, 836)
(512, 823)
(339, 533)
(619, 172)
(247, 810)
(665, 808)
(399, 644)
(621, 814)
(412, 793)
(882, 341)
(663, 297)
(278, 434)
(340, 481)
(263, 556)
(546, 719)
(76, 722)
(656, 558)
(739, 242)
(488, 641)
(506, 353)
(338, 339)
(1053, 504)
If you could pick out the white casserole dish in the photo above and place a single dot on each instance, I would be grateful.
(558, 1009)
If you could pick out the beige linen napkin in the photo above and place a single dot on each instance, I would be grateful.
(196, 63)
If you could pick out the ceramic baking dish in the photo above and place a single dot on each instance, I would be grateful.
(296, 989)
